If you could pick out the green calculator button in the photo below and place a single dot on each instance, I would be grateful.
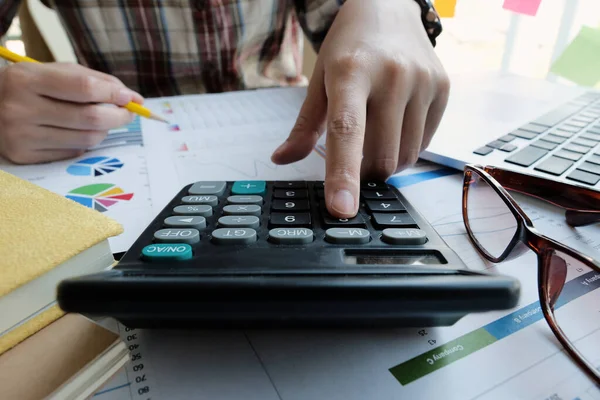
(167, 251)
(249, 187)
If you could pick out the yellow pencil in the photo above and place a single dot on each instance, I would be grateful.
(131, 106)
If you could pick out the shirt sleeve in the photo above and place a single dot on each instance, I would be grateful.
(315, 17)
(8, 10)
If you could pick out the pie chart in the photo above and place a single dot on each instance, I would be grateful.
(95, 166)
(99, 196)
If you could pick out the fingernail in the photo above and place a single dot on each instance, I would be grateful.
(343, 202)
(124, 96)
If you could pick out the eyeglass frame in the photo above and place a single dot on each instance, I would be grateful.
(527, 237)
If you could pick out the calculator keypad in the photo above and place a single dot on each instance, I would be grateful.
(281, 213)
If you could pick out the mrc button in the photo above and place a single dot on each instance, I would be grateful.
(291, 235)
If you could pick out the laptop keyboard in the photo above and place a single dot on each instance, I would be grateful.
(567, 134)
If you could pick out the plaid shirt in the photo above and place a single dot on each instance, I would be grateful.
(172, 47)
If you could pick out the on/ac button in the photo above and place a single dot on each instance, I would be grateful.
(167, 251)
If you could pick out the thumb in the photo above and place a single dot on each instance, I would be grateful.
(309, 125)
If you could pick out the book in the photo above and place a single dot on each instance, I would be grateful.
(44, 238)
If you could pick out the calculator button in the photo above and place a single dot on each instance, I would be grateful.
(396, 220)
(291, 236)
(404, 236)
(373, 185)
(189, 236)
(234, 236)
(384, 194)
(290, 205)
(249, 187)
(347, 235)
(165, 252)
(251, 199)
(385, 205)
(209, 200)
(209, 187)
(239, 221)
(289, 185)
(329, 221)
(290, 194)
(185, 221)
(200, 209)
(319, 185)
(242, 209)
(289, 220)
(321, 193)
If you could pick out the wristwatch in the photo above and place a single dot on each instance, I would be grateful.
(431, 20)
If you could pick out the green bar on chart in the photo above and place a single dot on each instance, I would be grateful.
(437, 358)
(580, 62)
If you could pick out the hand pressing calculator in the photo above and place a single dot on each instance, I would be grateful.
(268, 254)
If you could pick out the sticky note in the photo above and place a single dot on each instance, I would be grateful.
(527, 7)
(445, 8)
(580, 61)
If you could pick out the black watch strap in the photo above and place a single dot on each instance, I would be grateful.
(431, 20)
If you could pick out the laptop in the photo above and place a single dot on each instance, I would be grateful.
(527, 125)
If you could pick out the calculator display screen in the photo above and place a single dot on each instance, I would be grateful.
(391, 259)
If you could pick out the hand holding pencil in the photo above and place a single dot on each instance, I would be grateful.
(55, 111)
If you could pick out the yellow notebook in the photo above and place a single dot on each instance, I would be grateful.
(44, 238)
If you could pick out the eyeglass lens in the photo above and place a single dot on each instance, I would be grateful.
(490, 220)
(573, 291)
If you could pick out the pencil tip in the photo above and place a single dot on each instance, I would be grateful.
(157, 118)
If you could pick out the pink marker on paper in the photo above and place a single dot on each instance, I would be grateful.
(527, 7)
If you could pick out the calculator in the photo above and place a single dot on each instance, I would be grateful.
(261, 254)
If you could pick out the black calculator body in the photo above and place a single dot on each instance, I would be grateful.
(256, 254)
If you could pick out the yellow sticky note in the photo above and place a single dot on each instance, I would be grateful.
(580, 62)
(445, 8)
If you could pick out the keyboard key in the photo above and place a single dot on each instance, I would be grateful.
(384, 206)
(524, 134)
(557, 115)
(563, 134)
(591, 136)
(290, 194)
(534, 128)
(567, 128)
(330, 222)
(554, 165)
(216, 188)
(242, 209)
(199, 209)
(289, 220)
(584, 142)
(590, 114)
(568, 155)
(209, 199)
(507, 138)
(584, 119)
(239, 221)
(185, 221)
(373, 185)
(347, 235)
(319, 185)
(167, 251)
(189, 236)
(544, 144)
(321, 193)
(289, 185)
(384, 194)
(508, 147)
(554, 139)
(595, 129)
(577, 149)
(398, 220)
(483, 151)
(290, 205)
(577, 124)
(583, 177)
(496, 144)
(404, 236)
(249, 187)
(590, 167)
(527, 156)
(594, 159)
(250, 199)
(291, 236)
(234, 236)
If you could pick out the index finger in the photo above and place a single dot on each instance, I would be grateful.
(346, 119)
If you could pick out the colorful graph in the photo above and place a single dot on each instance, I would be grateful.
(99, 196)
(94, 166)
(174, 128)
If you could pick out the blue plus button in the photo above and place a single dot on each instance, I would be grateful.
(249, 187)
(167, 252)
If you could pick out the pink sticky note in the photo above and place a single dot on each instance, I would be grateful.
(527, 7)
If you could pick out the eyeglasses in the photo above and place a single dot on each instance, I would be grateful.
(568, 281)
